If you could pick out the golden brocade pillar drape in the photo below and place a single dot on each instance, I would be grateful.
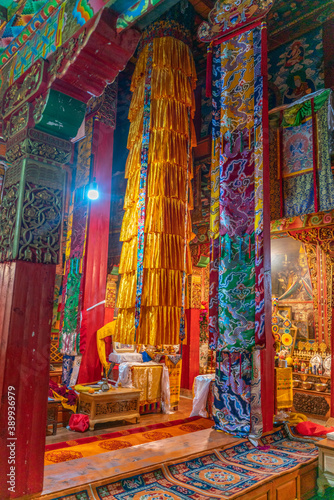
(171, 137)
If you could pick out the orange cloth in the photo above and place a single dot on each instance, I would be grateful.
(102, 444)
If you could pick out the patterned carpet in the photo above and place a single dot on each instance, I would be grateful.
(94, 445)
(224, 474)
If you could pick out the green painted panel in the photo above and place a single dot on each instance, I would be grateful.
(62, 115)
(5, 3)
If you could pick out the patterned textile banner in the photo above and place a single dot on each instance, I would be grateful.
(71, 342)
(297, 149)
(67, 369)
(232, 393)
(241, 318)
(294, 192)
(216, 143)
(143, 182)
(214, 203)
(2, 176)
(213, 295)
(236, 277)
(174, 370)
(256, 409)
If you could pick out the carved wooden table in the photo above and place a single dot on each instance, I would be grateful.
(116, 404)
(52, 415)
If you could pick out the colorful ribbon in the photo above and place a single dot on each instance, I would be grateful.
(142, 185)
(184, 274)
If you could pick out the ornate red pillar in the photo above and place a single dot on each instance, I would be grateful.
(30, 224)
(268, 353)
(98, 235)
(190, 350)
(41, 111)
(190, 354)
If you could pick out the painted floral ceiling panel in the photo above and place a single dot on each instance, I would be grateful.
(15, 18)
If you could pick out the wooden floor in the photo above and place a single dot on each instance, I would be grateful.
(110, 464)
(64, 434)
(300, 484)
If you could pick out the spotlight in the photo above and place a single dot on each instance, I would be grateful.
(93, 191)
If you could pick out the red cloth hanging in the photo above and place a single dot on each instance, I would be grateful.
(208, 83)
(280, 163)
(62, 391)
(315, 156)
(83, 331)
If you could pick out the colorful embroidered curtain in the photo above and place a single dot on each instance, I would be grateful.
(156, 226)
(301, 177)
(236, 278)
(71, 339)
(2, 176)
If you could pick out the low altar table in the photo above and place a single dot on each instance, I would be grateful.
(148, 377)
(116, 404)
(52, 415)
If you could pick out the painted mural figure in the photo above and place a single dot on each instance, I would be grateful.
(299, 86)
(296, 69)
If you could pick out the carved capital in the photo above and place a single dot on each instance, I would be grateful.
(39, 106)
(65, 55)
(31, 209)
(37, 145)
(45, 147)
(104, 107)
(228, 16)
(24, 89)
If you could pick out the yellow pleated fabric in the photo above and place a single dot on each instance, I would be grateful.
(174, 372)
(172, 84)
(284, 392)
(148, 380)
